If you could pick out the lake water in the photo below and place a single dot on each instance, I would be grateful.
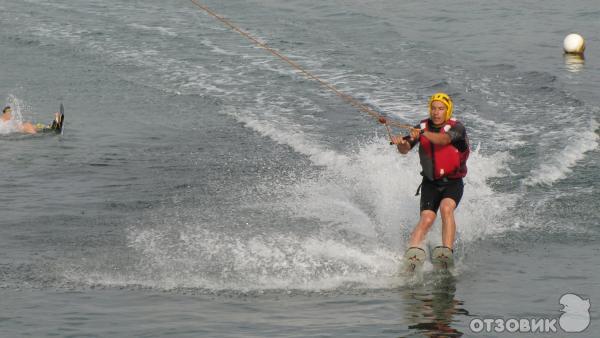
(203, 188)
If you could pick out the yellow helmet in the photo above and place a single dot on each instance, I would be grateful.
(445, 99)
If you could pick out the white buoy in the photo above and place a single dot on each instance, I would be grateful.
(574, 44)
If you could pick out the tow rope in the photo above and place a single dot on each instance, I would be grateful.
(354, 102)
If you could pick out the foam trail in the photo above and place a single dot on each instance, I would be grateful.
(346, 227)
(162, 30)
(190, 257)
(369, 185)
(374, 196)
(482, 211)
(358, 242)
(559, 166)
(286, 132)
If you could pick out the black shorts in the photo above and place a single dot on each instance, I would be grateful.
(432, 193)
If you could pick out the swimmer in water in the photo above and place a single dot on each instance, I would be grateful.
(30, 128)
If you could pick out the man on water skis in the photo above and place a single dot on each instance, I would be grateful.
(443, 152)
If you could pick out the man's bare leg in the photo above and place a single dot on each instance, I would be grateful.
(447, 207)
(422, 228)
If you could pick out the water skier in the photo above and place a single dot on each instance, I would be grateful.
(443, 153)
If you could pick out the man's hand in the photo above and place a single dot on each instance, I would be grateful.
(415, 133)
(398, 140)
(401, 143)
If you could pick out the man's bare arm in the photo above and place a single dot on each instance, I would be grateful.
(402, 144)
(437, 138)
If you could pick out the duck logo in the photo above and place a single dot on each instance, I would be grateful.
(576, 313)
(575, 318)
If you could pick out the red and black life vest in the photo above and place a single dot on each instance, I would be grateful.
(442, 162)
